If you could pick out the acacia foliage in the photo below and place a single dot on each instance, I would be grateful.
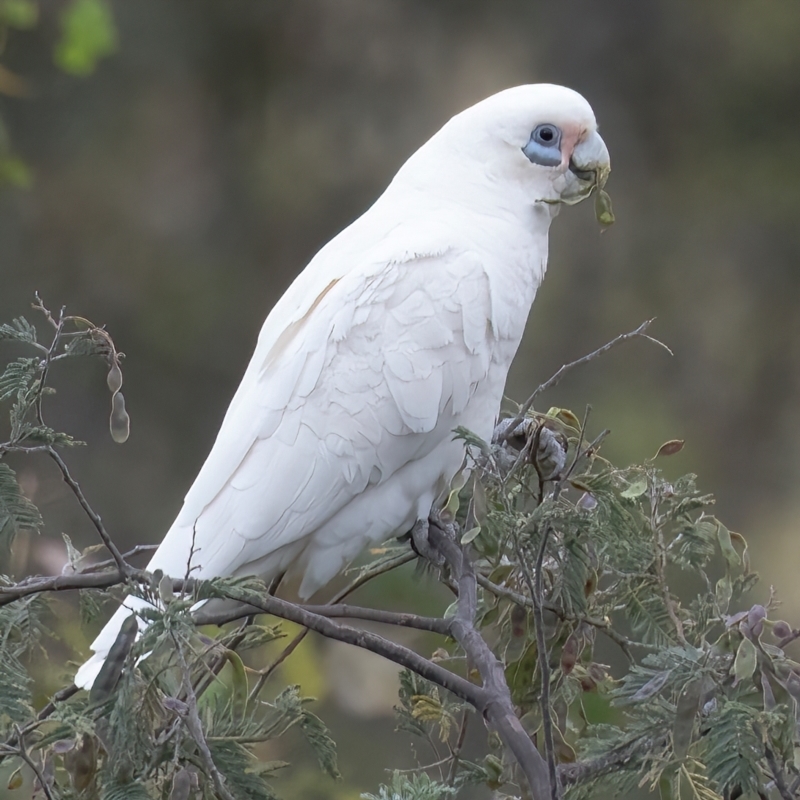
(702, 704)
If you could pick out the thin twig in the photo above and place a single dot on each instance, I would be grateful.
(661, 569)
(12, 742)
(614, 760)
(564, 369)
(777, 774)
(456, 751)
(191, 719)
(23, 754)
(537, 596)
(604, 626)
(47, 360)
(535, 588)
(265, 674)
(122, 565)
(109, 562)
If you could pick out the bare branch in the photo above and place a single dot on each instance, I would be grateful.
(366, 640)
(132, 553)
(22, 753)
(188, 713)
(122, 565)
(565, 368)
(431, 624)
(497, 707)
(60, 583)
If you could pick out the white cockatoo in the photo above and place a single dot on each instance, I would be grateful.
(400, 329)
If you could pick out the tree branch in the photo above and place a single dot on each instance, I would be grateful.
(543, 656)
(777, 774)
(122, 565)
(497, 707)
(565, 368)
(403, 620)
(366, 575)
(188, 713)
(62, 583)
(366, 640)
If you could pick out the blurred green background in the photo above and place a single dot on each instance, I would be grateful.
(176, 186)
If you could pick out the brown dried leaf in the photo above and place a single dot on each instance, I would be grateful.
(670, 448)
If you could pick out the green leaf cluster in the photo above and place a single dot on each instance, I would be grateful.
(702, 701)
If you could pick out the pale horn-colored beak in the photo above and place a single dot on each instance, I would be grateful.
(588, 169)
(590, 161)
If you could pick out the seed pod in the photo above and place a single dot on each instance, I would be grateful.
(165, 591)
(590, 584)
(114, 379)
(115, 661)
(181, 785)
(670, 448)
(569, 654)
(781, 629)
(518, 619)
(81, 763)
(120, 422)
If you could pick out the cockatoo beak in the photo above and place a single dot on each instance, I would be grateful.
(585, 166)
(588, 159)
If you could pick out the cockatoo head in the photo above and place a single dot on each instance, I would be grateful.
(537, 142)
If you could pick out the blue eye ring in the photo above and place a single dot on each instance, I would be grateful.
(546, 135)
(544, 146)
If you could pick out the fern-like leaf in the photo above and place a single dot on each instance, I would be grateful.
(18, 377)
(15, 690)
(413, 787)
(733, 750)
(133, 790)
(19, 330)
(236, 764)
(17, 513)
(649, 616)
(313, 728)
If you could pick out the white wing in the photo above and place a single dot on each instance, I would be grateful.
(370, 371)
(373, 375)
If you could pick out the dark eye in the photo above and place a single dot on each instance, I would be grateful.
(546, 135)
(543, 146)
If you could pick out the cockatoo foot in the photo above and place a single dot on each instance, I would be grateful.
(421, 544)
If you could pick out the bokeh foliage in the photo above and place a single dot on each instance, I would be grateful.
(569, 549)
(176, 192)
(87, 35)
